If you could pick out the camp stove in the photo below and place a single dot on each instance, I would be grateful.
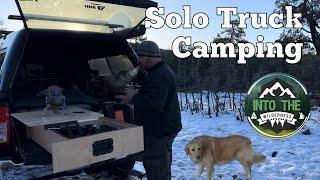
(54, 99)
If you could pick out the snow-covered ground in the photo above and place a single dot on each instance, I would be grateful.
(297, 157)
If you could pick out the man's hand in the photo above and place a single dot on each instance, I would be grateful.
(128, 94)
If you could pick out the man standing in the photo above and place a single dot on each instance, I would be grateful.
(157, 110)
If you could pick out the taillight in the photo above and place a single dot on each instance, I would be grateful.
(5, 126)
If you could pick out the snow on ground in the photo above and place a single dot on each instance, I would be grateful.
(298, 157)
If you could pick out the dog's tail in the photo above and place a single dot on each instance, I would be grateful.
(256, 158)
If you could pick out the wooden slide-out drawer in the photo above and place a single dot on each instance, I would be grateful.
(70, 153)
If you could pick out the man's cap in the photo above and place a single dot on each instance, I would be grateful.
(149, 49)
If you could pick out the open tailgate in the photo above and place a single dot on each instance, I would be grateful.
(99, 16)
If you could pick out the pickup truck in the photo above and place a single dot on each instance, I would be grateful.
(77, 45)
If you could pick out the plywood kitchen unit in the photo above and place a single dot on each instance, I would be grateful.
(71, 153)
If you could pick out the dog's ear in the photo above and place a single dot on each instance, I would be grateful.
(202, 144)
(186, 149)
(212, 145)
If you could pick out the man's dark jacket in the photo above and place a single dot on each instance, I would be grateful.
(156, 105)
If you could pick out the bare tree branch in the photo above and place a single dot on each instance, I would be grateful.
(309, 2)
(306, 30)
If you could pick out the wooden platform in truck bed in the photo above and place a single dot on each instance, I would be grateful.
(34, 118)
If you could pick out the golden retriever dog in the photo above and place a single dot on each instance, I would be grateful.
(208, 151)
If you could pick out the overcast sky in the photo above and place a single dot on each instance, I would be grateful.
(165, 36)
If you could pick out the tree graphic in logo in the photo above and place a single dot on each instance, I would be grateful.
(277, 105)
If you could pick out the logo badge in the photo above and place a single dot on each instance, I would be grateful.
(96, 6)
(277, 105)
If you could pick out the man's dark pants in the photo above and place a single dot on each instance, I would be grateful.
(157, 157)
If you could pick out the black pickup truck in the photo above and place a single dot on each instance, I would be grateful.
(74, 44)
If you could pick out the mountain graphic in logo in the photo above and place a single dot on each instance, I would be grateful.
(277, 86)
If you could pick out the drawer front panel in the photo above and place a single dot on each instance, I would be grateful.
(75, 153)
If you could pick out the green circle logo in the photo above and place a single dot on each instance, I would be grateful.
(277, 105)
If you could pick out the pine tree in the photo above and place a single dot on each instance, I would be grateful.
(235, 33)
(310, 10)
